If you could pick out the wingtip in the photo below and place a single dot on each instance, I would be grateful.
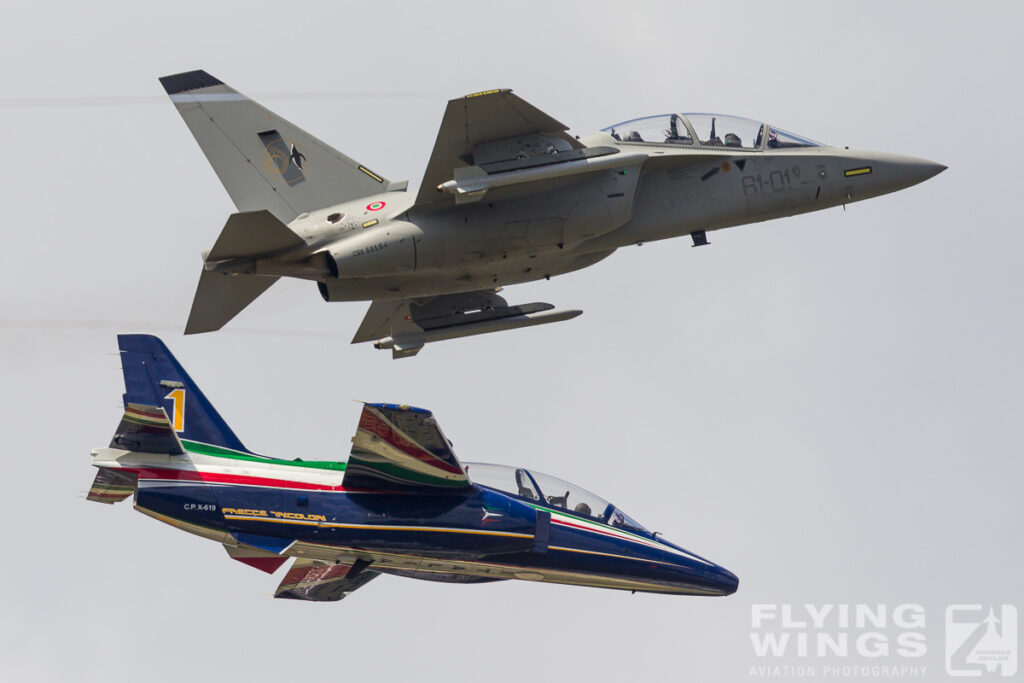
(196, 325)
(404, 407)
(493, 91)
(189, 80)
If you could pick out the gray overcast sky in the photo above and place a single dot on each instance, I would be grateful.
(828, 405)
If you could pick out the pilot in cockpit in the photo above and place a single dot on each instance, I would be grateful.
(673, 134)
(524, 485)
(713, 139)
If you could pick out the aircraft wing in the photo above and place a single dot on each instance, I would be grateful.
(323, 582)
(471, 122)
(405, 325)
(397, 317)
(401, 448)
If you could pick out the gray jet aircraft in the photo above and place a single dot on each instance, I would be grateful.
(508, 197)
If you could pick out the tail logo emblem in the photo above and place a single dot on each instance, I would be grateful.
(283, 159)
(177, 398)
(297, 157)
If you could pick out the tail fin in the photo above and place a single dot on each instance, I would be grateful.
(264, 161)
(152, 377)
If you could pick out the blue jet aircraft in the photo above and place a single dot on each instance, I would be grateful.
(403, 504)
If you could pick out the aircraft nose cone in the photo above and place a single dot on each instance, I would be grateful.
(899, 172)
(725, 581)
(919, 170)
(695, 570)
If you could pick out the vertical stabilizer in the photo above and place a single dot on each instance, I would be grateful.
(264, 161)
(153, 377)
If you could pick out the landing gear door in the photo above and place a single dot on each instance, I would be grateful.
(540, 535)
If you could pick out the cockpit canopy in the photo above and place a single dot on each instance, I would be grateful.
(706, 130)
(550, 492)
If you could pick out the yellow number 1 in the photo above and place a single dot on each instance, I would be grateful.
(178, 419)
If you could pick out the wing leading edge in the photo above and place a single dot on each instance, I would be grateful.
(473, 121)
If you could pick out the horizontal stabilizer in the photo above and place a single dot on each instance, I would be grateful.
(320, 582)
(251, 234)
(111, 486)
(402, 448)
(146, 429)
(220, 297)
(154, 377)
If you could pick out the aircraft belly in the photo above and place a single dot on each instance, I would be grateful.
(441, 537)
(440, 576)
(471, 276)
(522, 567)
(438, 557)
(406, 562)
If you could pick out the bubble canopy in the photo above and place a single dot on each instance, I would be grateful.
(706, 130)
(550, 492)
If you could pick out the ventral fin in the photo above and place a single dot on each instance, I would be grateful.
(259, 559)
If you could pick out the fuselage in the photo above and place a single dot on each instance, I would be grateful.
(385, 247)
(300, 509)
